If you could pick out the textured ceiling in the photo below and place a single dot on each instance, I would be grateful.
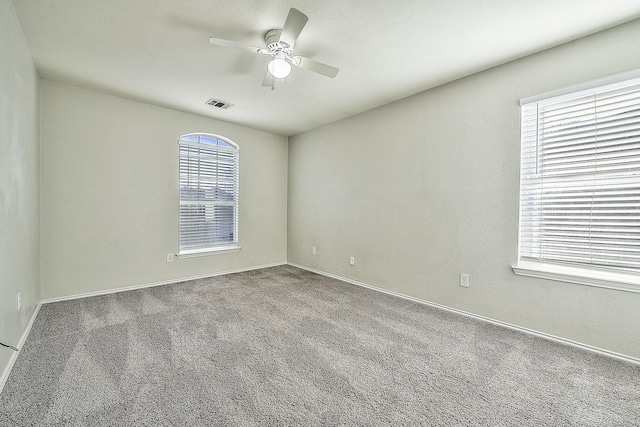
(157, 51)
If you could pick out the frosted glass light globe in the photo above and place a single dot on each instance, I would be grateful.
(279, 68)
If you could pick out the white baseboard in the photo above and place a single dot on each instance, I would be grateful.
(14, 356)
(582, 346)
(150, 285)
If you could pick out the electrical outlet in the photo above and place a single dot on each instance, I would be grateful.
(352, 260)
(169, 257)
(313, 250)
(19, 301)
(464, 280)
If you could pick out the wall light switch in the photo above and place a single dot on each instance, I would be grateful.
(352, 260)
(169, 257)
(464, 280)
(313, 250)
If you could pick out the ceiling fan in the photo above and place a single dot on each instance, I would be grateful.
(280, 45)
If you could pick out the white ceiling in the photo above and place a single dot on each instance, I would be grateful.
(157, 51)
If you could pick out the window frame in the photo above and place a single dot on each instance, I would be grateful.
(223, 247)
(584, 275)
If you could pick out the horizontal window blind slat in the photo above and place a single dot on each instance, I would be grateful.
(208, 178)
(580, 179)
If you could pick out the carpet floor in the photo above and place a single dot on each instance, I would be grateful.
(283, 346)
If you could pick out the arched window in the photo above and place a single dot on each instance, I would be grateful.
(209, 184)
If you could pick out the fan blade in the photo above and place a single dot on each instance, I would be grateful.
(229, 43)
(294, 24)
(318, 67)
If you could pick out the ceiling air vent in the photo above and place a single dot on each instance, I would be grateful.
(219, 104)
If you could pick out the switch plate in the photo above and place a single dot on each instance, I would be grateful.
(313, 250)
(464, 280)
(169, 257)
(352, 260)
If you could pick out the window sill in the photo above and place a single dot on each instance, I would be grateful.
(601, 279)
(209, 251)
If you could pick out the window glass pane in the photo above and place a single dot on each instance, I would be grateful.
(208, 194)
(204, 139)
(191, 138)
(580, 180)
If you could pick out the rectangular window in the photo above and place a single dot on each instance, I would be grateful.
(209, 175)
(580, 187)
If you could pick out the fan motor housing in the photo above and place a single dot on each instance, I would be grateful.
(271, 38)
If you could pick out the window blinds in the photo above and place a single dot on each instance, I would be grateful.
(580, 179)
(208, 194)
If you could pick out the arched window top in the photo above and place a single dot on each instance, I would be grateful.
(209, 139)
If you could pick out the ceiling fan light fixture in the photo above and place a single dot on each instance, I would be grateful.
(280, 45)
(279, 67)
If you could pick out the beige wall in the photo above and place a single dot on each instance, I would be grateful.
(419, 191)
(19, 182)
(426, 188)
(110, 193)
